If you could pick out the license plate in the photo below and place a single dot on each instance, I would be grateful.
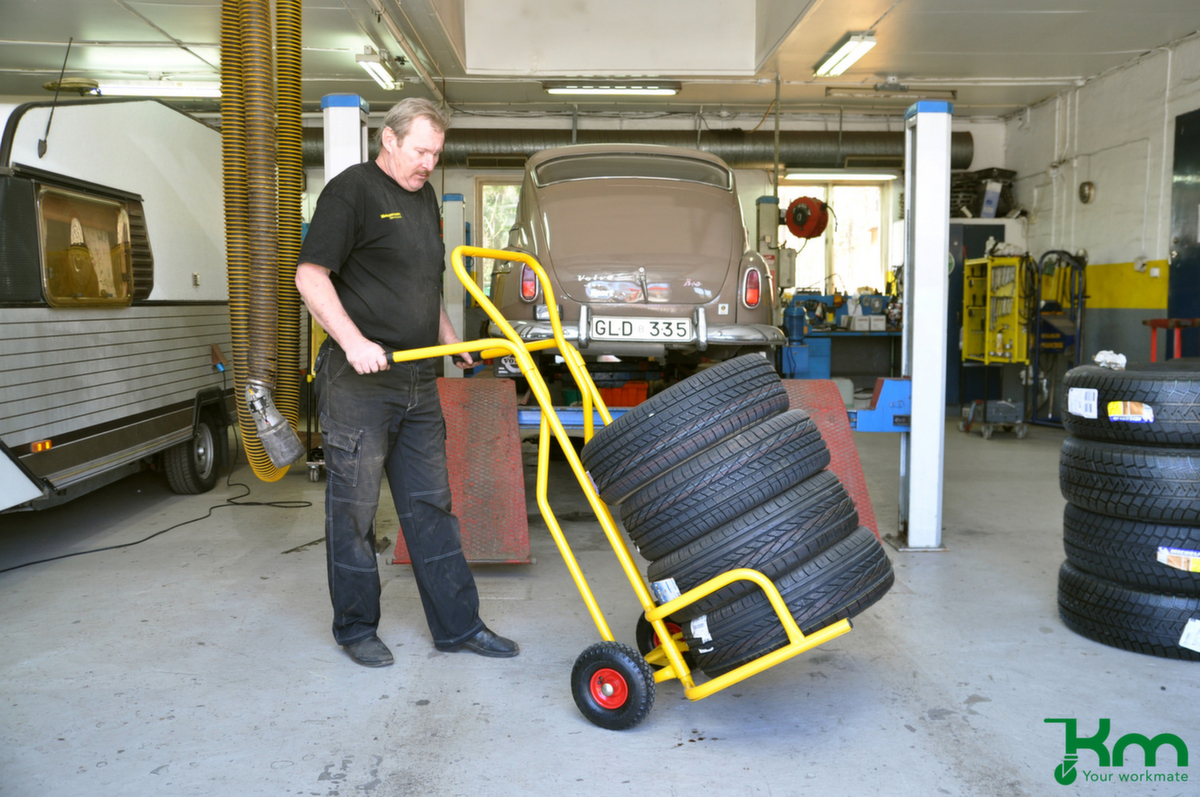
(641, 329)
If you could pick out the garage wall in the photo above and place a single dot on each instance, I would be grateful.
(1116, 131)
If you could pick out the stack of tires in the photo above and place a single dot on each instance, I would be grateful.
(716, 473)
(1131, 475)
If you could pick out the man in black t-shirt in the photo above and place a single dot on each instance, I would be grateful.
(370, 272)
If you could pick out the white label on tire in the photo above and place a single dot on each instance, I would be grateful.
(1191, 635)
(1130, 412)
(700, 629)
(1082, 401)
(665, 590)
(1180, 559)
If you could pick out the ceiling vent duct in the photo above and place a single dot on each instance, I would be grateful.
(811, 149)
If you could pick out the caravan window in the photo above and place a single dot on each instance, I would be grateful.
(86, 257)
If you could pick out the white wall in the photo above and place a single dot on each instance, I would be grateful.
(1116, 131)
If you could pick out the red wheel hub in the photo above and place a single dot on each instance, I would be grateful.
(608, 688)
(672, 629)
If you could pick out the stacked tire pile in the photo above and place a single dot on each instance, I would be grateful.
(1131, 475)
(716, 473)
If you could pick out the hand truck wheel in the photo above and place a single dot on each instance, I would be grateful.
(647, 640)
(612, 685)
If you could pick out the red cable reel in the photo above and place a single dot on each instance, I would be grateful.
(807, 217)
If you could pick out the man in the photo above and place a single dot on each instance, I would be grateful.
(370, 272)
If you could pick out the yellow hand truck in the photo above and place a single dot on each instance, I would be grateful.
(612, 683)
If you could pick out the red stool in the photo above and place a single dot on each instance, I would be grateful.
(1177, 324)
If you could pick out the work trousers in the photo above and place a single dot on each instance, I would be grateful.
(389, 422)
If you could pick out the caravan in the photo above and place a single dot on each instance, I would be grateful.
(114, 307)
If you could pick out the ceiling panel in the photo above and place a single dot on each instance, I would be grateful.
(998, 55)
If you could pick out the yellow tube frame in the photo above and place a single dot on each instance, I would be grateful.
(669, 653)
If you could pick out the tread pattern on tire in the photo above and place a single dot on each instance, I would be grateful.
(1115, 615)
(773, 538)
(700, 411)
(723, 482)
(1126, 551)
(836, 584)
(1172, 392)
(1133, 482)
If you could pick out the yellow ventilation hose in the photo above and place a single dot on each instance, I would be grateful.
(248, 146)
(290, 160)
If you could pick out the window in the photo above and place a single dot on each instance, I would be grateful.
(658, 167)
(86, 253)
(497, 214)
(849, 256)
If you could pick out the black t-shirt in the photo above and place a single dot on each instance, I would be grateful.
(384, 248)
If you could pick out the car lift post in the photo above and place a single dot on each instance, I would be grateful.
(926, 288)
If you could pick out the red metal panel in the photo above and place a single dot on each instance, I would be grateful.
(821, 399)
(487, 483)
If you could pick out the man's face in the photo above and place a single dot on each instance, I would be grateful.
(409, 161)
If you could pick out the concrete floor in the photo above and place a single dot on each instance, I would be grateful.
(201, 663)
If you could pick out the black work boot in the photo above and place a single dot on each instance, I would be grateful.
(486, 643)
(369, 652)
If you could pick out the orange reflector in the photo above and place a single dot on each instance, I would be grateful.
(40, 446)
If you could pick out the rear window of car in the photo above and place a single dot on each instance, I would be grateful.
(654, 167)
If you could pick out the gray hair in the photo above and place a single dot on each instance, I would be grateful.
(408, 110)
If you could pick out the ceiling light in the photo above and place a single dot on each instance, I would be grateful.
(657, 89)
(891, 91)
(852, 48)
(378, 68)
(158, 88)
(836, 176)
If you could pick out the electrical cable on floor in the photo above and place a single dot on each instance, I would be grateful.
(234, 501)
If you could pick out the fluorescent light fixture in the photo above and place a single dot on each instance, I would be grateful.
(852, 48)
(378, 68)
(846, 177)
(158, 88)
(886, 91)
(653, 89)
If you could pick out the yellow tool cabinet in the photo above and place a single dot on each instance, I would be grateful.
(995, 298)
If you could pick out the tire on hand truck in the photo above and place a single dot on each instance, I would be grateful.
(723, 482)
(677, 424)
(839, 583)
(1170, 390)
(773, 538)
(1128, 552)
(1132, 482)
(647, 639)
(612, 685)
(1106, 612)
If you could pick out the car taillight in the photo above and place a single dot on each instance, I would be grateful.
(752, 289)
(529, 284)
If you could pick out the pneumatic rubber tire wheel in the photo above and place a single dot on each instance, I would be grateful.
(1154, 557)
(613, 686)
(680, 422)
(723, 482)
(773, 538)
(836, 584)
(1115, 615)
(647, 640)
(1133, 482)
(1170, 389)
(193, 466)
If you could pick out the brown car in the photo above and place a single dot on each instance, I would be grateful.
(646, 252)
